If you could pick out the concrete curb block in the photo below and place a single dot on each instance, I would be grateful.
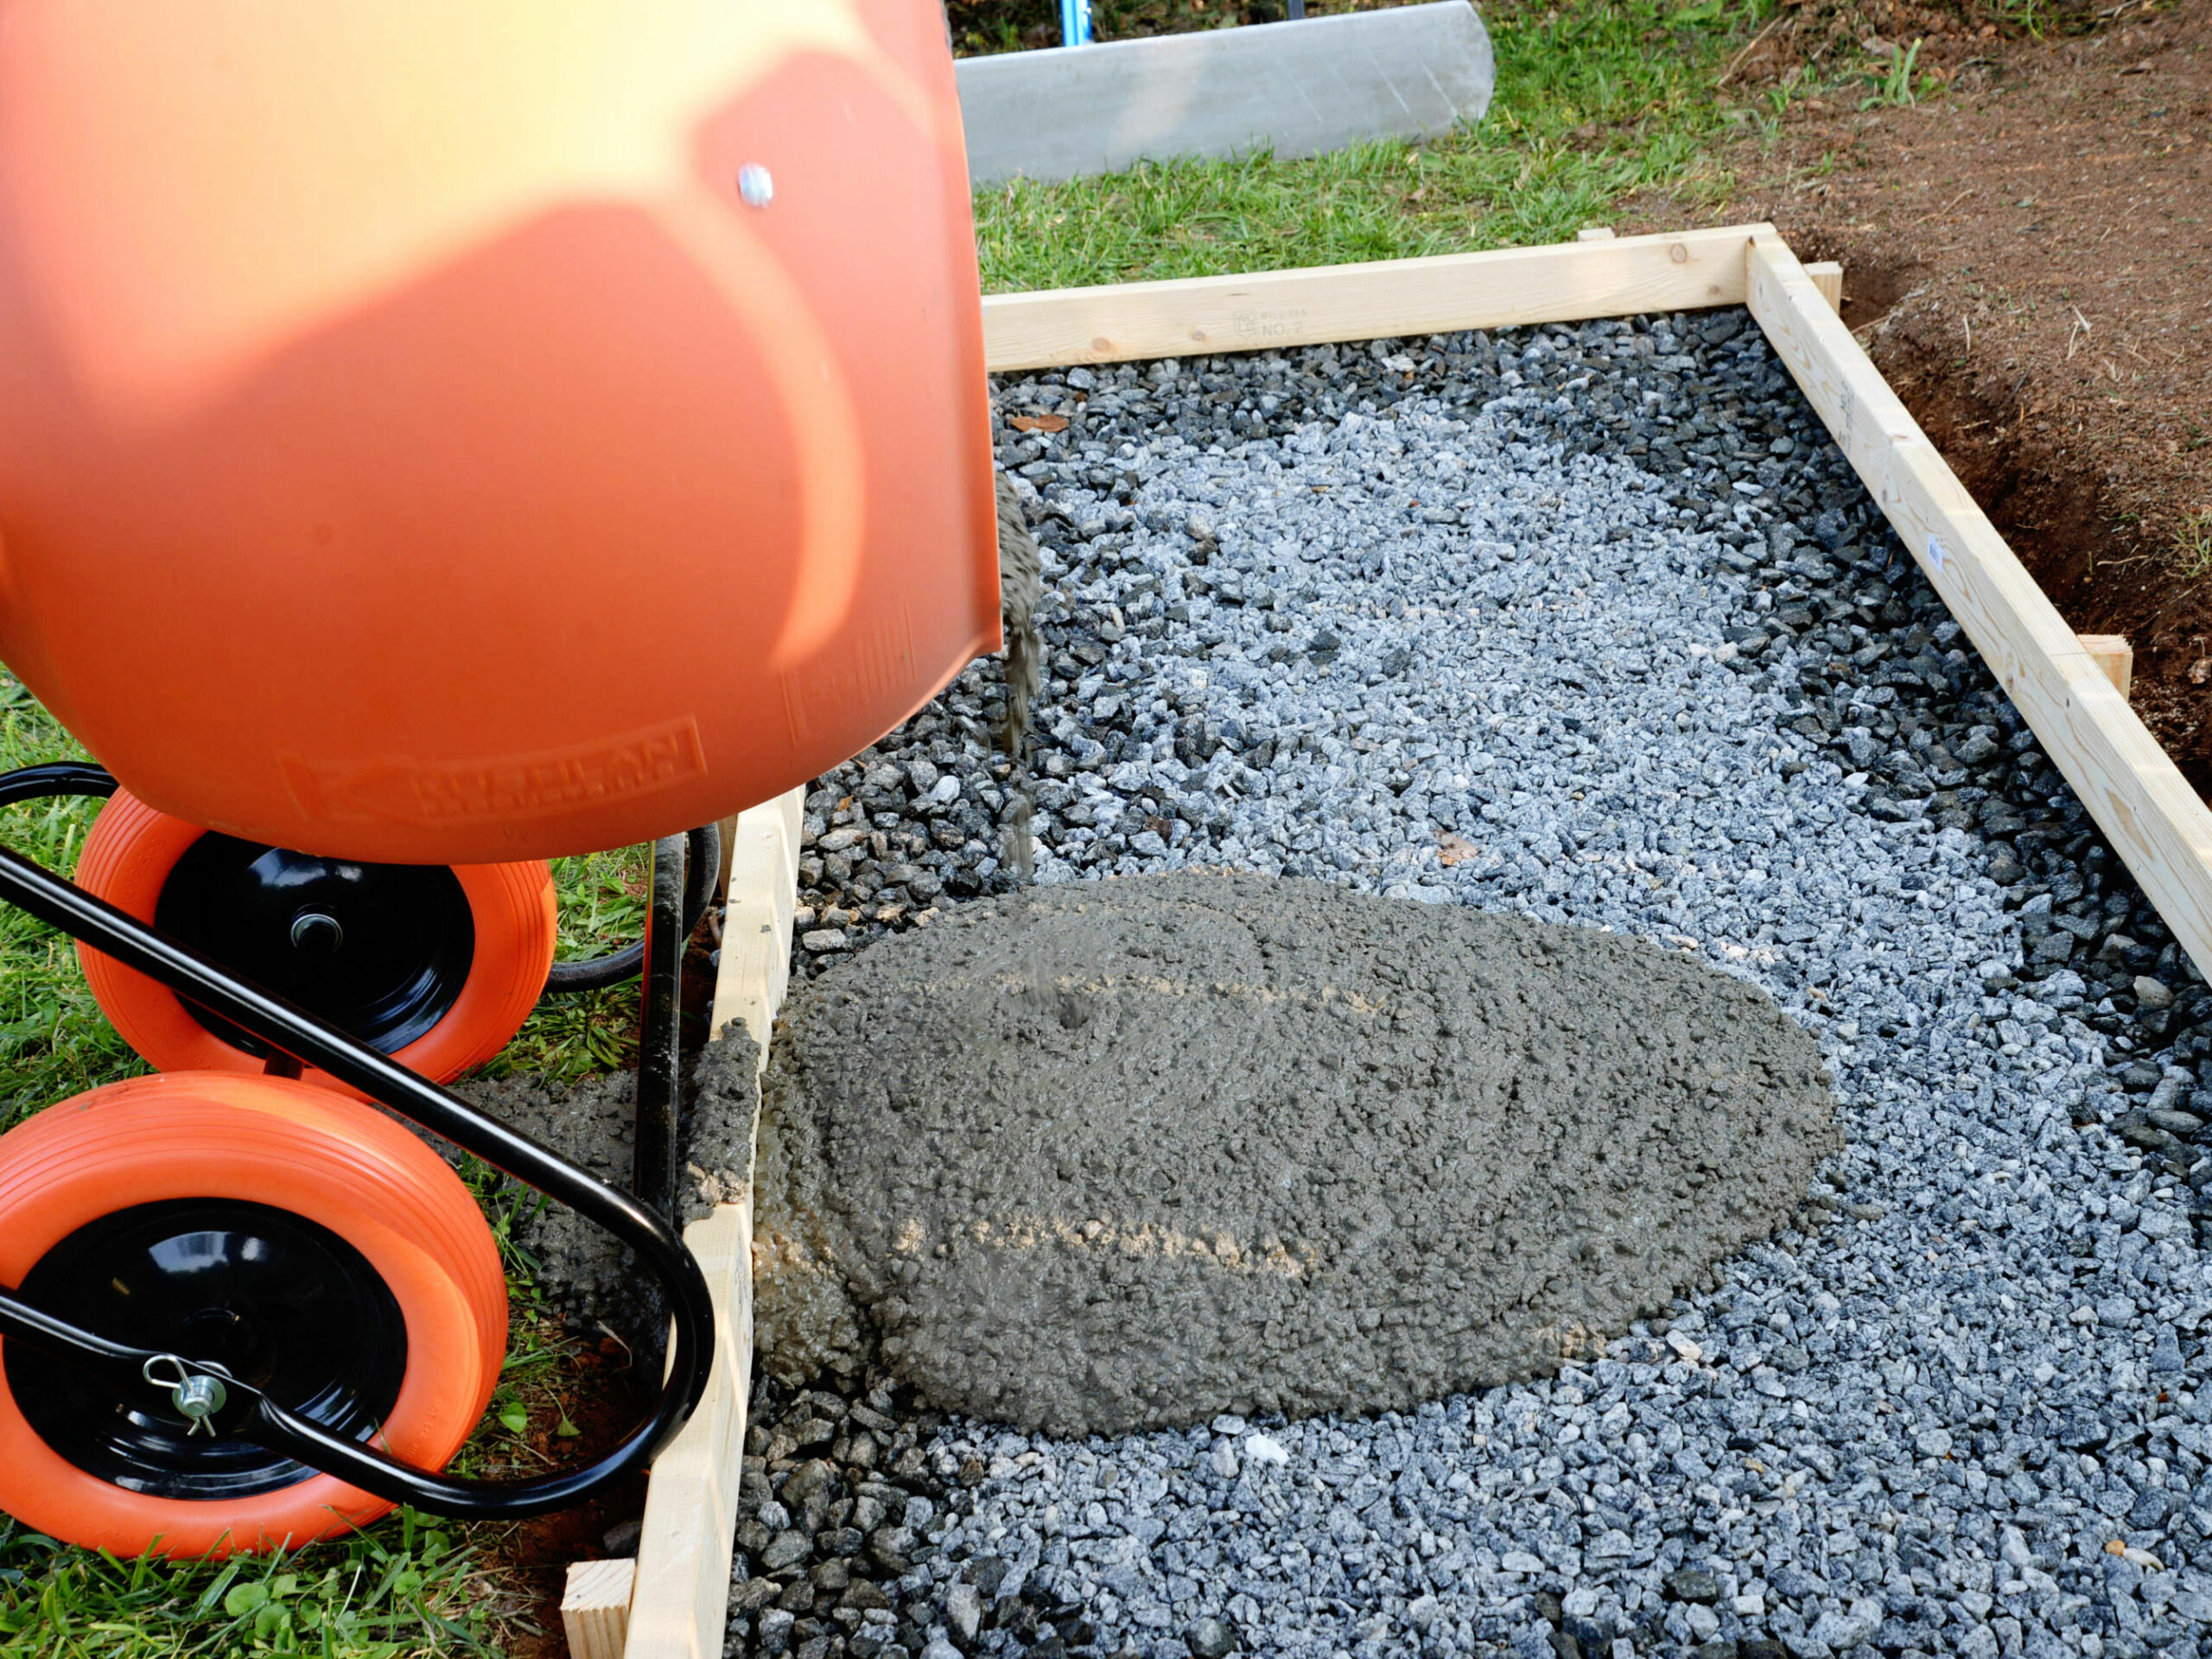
(1302, 87)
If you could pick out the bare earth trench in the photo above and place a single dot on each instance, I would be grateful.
(1592, 626)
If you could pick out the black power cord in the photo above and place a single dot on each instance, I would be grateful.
(704, 860)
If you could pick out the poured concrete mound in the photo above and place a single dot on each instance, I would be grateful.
(1124, 1154)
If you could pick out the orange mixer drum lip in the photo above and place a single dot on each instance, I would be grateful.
(465, 433)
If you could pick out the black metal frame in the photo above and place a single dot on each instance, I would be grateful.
(653, 1145)
(307, 1041)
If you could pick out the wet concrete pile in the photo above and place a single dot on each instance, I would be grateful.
(590, 1280)
(1113, 1155)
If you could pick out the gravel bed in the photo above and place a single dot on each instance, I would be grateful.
(1592, 623)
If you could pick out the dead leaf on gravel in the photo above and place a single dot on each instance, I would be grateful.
(1038, 423)
(1454, 849)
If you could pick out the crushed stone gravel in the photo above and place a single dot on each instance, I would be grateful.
(1590, 623)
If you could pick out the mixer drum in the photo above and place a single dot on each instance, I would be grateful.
(461, 431)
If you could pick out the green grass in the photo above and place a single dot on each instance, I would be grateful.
(1891, 83)
(405, 1589)
(602, 898)
(1594, 101)
(2192, 552)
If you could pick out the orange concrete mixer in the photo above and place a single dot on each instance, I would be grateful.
(455, 432)
(434, 437)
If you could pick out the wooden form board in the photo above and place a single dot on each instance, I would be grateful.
(2132, 789)
(1609, 276)
(673, 1602)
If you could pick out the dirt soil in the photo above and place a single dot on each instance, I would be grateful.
(530, 1561)
(2027, 257)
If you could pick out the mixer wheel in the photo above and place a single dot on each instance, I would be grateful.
(304, 1242)
(435, 966)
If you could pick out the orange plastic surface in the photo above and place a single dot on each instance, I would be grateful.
(127, 858)
(185, 1135)
(415, 448)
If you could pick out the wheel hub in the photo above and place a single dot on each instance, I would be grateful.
(315, 934)
(380, 951)
(280, 1302)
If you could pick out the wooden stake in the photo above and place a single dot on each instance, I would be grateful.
(2112, 652)
(1827, 277)
(1594, 233)
(679, 1602)
(596, 1608)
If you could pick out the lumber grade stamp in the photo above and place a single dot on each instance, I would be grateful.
(673, 1601)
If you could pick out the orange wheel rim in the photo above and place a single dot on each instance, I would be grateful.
(294, 1149)
(133, 856)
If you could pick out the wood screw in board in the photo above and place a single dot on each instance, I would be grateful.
(2112, 652)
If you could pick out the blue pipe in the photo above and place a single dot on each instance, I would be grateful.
(1075, 23)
